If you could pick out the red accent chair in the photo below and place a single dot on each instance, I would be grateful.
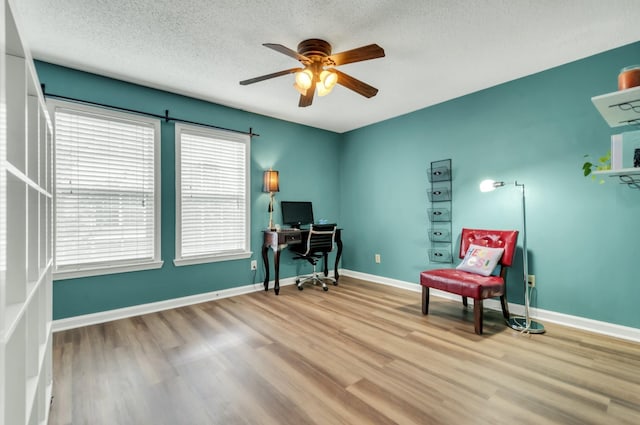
(473, 285)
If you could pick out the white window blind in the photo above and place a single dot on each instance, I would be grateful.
(106, 187)
(212, 208)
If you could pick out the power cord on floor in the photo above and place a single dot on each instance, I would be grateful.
(255, 275)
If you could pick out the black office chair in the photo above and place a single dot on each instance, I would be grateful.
(318, 242)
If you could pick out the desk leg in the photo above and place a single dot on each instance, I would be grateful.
(276, 264)
(265, 260)
(338, 255)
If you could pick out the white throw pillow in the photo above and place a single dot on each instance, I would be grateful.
(481, 259)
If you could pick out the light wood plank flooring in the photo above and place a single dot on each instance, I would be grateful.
(361, 353)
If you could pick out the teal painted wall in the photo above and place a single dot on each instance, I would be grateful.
(281, 145)
(583, 237)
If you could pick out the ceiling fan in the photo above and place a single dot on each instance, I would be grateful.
(319, 68)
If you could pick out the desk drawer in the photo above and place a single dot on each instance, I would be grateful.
(289, 237)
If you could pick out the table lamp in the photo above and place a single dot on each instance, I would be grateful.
(270, 185)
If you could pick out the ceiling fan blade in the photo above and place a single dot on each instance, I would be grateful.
(287, 51)
(372, 51)
(356, 85)
(307, 99)
(268, 76)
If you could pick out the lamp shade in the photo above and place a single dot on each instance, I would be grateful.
(303, 80)
(490, 185)
(327, 81)
(270, 182)
(329, 78)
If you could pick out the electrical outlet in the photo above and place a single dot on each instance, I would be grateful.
(254, 264)
(377, 257)
(531, 280)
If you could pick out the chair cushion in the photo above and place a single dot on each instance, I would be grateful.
(463, 283)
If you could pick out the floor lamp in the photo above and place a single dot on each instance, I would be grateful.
(524, 324)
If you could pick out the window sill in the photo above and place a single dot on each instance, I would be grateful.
(188, 261)
(99, 271)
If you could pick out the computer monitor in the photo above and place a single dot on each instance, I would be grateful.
(296, 213)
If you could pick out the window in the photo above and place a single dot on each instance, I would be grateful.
(212, 195)
(107, 191)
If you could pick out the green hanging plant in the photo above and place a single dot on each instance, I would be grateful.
(603, 163)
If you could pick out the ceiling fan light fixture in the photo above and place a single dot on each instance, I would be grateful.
(300, 89)
(303, 79)
(322, 90)
(327, 82)
(314, 55)
(328, 79)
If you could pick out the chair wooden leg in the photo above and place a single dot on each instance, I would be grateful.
(505, 307)
(425, 300)
(477, 316)
(464, 301)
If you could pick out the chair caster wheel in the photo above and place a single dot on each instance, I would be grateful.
(300, 288)
(325, 289)
(297, 281)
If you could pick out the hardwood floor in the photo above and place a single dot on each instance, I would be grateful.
(361, 353)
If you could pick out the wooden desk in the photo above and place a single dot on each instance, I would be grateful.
(278, 240)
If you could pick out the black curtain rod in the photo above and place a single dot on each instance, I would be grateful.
(166, 116)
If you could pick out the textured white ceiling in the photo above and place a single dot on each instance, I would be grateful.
(435, 49)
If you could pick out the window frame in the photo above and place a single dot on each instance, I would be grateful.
(218, 134)
(109, 266)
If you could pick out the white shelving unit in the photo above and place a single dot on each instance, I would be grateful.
(26, 145)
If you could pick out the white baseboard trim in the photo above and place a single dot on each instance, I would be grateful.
(137, 310)
(604, 328)
(595, 326)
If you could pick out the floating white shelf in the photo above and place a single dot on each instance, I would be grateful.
(628, 176)
(620, 172)
(619, 108)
